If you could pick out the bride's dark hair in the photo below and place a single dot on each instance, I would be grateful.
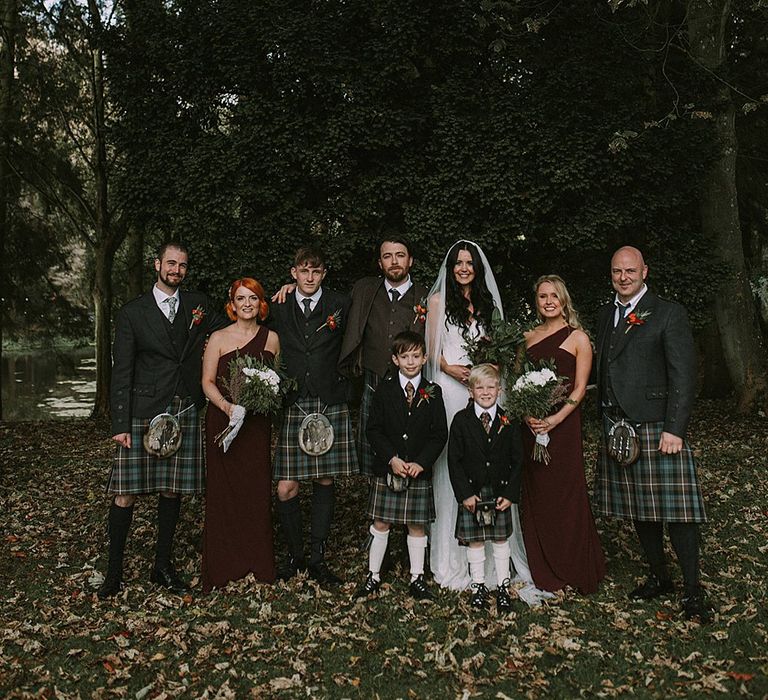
(456, 304)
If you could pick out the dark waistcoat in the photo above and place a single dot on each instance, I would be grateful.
(178, 333)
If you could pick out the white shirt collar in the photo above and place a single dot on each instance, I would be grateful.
(314, 298)
(632, 303)
(404, 286)
(479, 410)
(404, 380)
(161, 296)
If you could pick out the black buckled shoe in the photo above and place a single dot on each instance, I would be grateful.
(419, 589)
(112, 585)
(503, 599)
(167, 577)
(291, 567)
(370, 587)
(322, 574)
(695, 607)
(652, 587)
(480, 596)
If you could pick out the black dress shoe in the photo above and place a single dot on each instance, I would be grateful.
(695, 607)
(290, 568)
(167, 577)
(480, 596)
(503, 599)
(419, 590)
(322, 574)
(652, 588)
(112, 585)
(370, 587)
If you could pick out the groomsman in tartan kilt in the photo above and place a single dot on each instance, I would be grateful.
(159, 339)
(485, 457)
(311, 326)
(407, 431)
(646, 372)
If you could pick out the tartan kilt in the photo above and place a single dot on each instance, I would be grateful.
(365, 454)
(293, 464)
(136, 471)
(656, 487)
(414, 506)
(467, 529)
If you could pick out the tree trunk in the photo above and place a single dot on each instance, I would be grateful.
(8, 23)
(102, 304)
(135, 262)
(734, 305)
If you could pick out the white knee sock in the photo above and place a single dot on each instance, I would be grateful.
(376, 551)
(501, 559)
(476, 559)
(417, 546)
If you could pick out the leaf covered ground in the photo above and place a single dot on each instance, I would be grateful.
(297, 641)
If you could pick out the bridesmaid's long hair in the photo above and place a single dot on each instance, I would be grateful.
(456, 304)
(570, 314)
(256, 288)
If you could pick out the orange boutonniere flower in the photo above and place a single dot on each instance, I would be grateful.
(332, 322)
(426, 394)
(504, 422)
(420, 311)
(198, 314)
(634, 319)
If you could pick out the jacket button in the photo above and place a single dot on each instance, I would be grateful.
(487, 464)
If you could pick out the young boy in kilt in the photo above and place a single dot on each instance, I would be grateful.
(484, 461)
(311, 327)
(407, 431)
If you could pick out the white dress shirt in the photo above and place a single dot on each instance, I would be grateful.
(479, 410)
(313, 299)
(161, 296)
(628, 307)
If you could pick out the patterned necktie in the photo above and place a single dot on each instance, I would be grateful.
(394, 294)
(307, 307)
(409, 392)
(171, 301)
(485, 419)
(623, 309)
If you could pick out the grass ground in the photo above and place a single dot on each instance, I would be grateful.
(297, 641)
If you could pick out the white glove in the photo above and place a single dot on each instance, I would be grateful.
(236, 419)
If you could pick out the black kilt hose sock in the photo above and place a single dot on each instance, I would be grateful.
(118, 524)
(293, 529)
(685, 542)
(167, 517)
(651, 536)
(323, 500)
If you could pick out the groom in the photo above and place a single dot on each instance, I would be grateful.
(646, 373)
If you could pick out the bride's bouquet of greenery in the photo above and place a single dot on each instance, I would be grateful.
(535, 392)
(253, 385)
(499, 346)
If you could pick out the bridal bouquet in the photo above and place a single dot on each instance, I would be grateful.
(253, 385)
(535, 392)
(499, 345)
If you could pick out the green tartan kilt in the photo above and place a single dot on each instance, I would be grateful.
(657, 487)
(365, 454)
(414, 506)
(468, 530)
(293, 464)
(135, 471)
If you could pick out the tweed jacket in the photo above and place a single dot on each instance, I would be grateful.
(363, 293)
(416, 435)
(477, 459)
(652, 366)
(147, 369)
(310, 349)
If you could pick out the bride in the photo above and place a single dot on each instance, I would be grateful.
(460, 306)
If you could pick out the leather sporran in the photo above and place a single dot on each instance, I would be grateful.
(396, 483)
(623, 443)
(163, 436)
(485, 513)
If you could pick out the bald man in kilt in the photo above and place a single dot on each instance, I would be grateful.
(311, 326)
(159, 339)
(646, 372)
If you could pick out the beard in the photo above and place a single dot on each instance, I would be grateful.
(172, 282)
(397, 275)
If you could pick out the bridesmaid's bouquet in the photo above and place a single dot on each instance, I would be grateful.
(499, 346)
(253, 385)
(534, 393)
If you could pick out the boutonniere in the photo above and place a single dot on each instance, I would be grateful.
(634, 319)
(426, 394)
(332, 321)
(198, 314)
(504, 421)
(420, 311)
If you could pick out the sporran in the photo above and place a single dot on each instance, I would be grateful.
(396, 483)
(315, 434)
(163, 436)
(623, 443)
(485, 513)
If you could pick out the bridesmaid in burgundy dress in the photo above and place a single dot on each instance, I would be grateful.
(237, 537)
(558, 528)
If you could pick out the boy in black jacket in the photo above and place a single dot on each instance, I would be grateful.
(407, 431)
(484, 461)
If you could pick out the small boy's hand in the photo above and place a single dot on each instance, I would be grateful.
(502, 503)
(470, 503)
(414, 469)
(398, 467)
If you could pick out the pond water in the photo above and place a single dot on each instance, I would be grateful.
(44, 384)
